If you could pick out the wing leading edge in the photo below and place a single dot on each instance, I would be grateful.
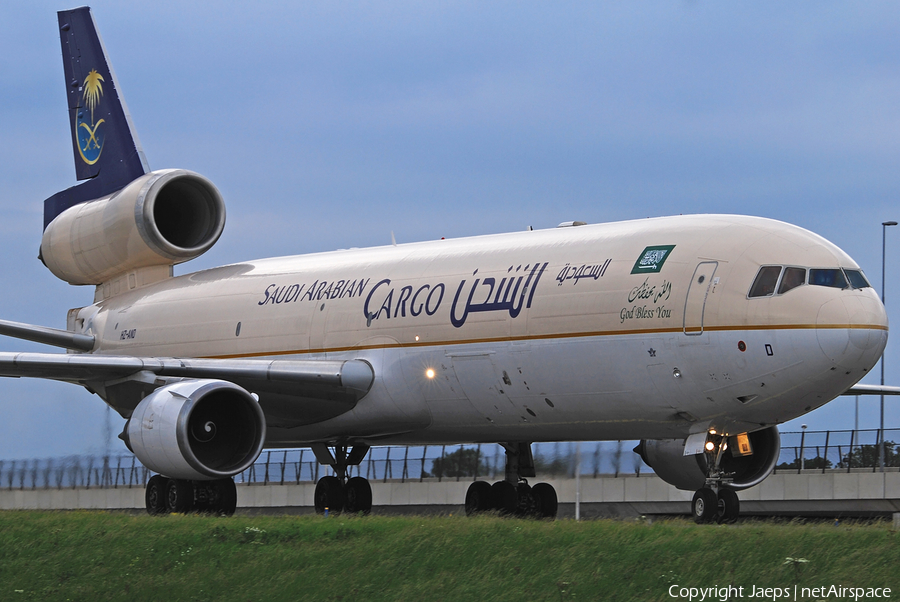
(290, 392)
(356, 375)
(872, 390)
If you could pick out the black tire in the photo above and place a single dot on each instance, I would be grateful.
(329, 495)
(705, 506)
(227, 497)
(547, 502)
(179, 496)
(358, 496)
(728, 507)
(504, 498)
(155, 495)
(478, 498)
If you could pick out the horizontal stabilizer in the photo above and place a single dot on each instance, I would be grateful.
(47, 336)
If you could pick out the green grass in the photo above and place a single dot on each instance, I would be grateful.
(99, 556)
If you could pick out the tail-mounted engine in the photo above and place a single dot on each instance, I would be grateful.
(197, 429)
(160, 219)
(666, 458)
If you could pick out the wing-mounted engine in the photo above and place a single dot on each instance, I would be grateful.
(160, 219)
(197, 429)
(666, 457)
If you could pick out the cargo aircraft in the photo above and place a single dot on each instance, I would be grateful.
(695, 334)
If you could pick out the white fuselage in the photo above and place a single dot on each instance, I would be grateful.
(531, 336)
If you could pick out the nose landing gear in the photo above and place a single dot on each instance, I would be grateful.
(717, 501)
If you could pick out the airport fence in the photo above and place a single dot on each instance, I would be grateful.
(839, 450)
(800, 451)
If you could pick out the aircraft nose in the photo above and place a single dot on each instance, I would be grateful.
(852, 330)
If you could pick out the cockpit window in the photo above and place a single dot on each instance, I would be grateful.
(833, 278)
(788, 278)
(857, 279)
(793, 277)
(764, 285)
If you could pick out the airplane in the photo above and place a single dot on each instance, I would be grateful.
(696, 335)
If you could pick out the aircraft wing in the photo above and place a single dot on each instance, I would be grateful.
(872, 390)
(290, 392)
(350, 374)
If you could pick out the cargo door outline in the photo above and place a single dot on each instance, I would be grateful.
(695, 302)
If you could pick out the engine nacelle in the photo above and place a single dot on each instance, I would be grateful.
(160, 219)
(197, 429)
(666, 458)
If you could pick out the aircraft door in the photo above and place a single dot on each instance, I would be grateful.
(695, 303)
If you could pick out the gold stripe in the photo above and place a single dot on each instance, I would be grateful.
(568, 335)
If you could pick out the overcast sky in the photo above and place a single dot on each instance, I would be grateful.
(328, 125)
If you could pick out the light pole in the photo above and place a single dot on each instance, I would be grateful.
(802, 443)
(884, 226)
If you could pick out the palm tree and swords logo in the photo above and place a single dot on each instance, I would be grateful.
(90, 141)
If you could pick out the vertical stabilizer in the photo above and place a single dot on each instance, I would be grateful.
(106, 150)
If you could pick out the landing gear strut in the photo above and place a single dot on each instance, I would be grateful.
(513, 496)
(336, 494)
(716, 501)
(164, 495)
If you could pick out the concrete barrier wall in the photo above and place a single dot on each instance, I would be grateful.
(812, 493)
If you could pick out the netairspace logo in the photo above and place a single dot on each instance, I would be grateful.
(779, 594)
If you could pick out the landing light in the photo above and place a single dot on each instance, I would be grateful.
(429, 373)
(710, 446)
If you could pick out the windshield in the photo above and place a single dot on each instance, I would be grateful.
(857, 279)
(766, 279)
(777, 279)
(832, 277)
(793, 277)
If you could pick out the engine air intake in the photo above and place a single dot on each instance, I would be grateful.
(160, 219)
(186, 213)
(197, 429)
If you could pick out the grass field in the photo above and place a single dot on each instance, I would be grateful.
(99, 556)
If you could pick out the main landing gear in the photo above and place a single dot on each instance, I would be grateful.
(513, 496)
(336, 494)
(716, 501)
(165, 496)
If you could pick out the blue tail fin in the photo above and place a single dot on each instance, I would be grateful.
(106, 149)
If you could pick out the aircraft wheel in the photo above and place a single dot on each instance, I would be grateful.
(155, 495)
(329, 495)
(358, 496)
(705, 505)
(227, 497)
(728, 507)
(504, 497)
(179, 496)
(546, 500)
(478, 498)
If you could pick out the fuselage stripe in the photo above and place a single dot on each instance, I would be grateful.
(566, 335)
